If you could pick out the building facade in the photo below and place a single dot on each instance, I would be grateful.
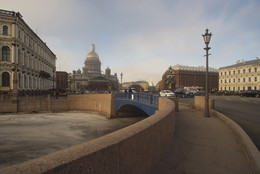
(179, 76)
(62, 80)
(91, 78)
(138, 86)
(244, 75)
(26, 62)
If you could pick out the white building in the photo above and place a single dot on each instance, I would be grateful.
(26, 62)
(244, 75)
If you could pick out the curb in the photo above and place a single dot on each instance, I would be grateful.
(249, 147)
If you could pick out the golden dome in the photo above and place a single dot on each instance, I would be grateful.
(92, 53)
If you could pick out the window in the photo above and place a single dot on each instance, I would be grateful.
(238, 79)
(19, 34)
(25, 81)
(233, 72)
(244, 70)
(5, 53)
(20, 57)
(5, 30)
(249, 79)
(255, 69)
(19, 80)
(5, 79)
(234, 80)
(238, 71)
(249, 70)
(244, 79)
(255, 79)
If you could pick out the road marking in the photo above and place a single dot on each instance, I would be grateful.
(245, 100)
(229, 99)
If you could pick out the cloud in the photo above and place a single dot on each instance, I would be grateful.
(143, 38)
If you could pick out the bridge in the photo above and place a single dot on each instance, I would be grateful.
(136, 103)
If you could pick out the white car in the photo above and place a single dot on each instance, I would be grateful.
(166, 93)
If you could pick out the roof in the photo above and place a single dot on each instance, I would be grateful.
(92, 54)
(242, 63)
(193, 68)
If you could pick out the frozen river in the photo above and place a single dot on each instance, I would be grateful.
(28, 136)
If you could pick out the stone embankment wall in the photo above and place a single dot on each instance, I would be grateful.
(102, 103)
(134, 149)
(199, 103)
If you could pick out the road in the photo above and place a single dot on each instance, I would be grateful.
(28, 136)
(245, 111)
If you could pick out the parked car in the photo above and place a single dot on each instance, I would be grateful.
(199, 93)
(250, 93)
(180, 92)
(167, 93)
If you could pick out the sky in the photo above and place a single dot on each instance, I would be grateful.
(142, 38)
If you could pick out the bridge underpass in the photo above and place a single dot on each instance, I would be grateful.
(136, 104)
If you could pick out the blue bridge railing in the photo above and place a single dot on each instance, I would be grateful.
(142, 97)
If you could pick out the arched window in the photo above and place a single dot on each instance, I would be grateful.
(5, 53)
(5, 30)
(5, 79)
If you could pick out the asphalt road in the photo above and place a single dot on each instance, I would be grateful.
(28, 136)
(245, 111)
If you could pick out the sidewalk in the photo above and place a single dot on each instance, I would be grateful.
(203, 146)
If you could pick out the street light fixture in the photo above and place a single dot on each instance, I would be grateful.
(121, 75)
(206, 38)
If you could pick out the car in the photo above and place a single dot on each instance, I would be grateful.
(250, 93)
(199, 93)
(180, 92)
(167, 93)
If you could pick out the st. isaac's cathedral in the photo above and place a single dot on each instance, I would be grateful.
(91, 78)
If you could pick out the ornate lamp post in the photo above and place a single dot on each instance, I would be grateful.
(121, 76)
(206, 38)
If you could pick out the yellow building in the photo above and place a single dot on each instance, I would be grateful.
(244, 75)
(26, 63)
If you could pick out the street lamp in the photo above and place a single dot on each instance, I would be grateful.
(121, 75)
(206, 38)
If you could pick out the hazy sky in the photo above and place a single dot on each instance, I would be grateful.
(142, 38)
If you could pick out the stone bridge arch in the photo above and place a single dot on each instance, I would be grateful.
(129, 110)
(136, 104)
